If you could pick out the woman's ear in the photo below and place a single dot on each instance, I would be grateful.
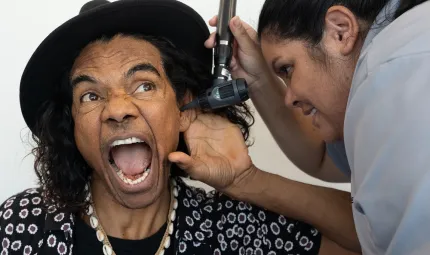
(187, 116)
(341, 29)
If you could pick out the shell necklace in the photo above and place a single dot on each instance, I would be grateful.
(165, 242)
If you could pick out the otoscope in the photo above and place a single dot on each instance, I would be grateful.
(224, 92)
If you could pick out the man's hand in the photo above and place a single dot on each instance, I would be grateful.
(218, 153)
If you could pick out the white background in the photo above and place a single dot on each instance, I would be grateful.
(23, 26)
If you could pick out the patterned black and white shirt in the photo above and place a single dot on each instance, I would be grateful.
(207, 223)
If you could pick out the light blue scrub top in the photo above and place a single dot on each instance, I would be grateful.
(387, 135)
(337, 153)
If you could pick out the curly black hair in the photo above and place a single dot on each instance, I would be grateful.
(62, 171)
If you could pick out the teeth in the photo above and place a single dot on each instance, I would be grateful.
(133, 182)
(314, 110)
(130, 140)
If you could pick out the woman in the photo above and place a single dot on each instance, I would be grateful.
(105, 116)
(360, 70)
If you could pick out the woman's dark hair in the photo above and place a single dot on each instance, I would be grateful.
(62, 171)
(304, 20)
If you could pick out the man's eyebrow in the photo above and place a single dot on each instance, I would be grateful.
(146, 67)
(82, 78)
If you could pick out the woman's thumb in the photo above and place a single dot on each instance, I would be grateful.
(181, 159)
(184, 161)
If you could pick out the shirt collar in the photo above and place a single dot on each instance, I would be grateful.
(383, 19)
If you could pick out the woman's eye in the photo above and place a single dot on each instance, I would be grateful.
(145, 87)
(285, 71)
(88, 97)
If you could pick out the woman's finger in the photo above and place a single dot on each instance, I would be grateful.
(213, 21)
(211, 42)
(244, 41)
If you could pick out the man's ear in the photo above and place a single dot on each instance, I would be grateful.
(341, 29)
(187, 116)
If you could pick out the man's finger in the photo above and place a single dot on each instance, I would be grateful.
(211, 42)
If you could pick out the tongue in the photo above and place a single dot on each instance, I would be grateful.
(132, 159)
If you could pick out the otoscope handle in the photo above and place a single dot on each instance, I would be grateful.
(224, 39)
(223, 92)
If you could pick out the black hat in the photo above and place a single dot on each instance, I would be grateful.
(170, 19)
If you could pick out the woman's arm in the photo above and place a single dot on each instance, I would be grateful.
(328, 210)
(328, 247)
(219, 158)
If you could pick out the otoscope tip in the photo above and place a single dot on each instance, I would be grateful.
(190, 105)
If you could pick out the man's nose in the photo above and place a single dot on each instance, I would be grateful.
(291, 98)
(119, 109)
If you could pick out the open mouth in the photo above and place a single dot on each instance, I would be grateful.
(131, 159)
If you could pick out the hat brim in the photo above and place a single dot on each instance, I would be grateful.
(173, 20)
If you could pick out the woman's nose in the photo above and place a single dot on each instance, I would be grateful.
(291, 98)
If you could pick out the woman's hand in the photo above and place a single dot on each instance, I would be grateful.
(218, 153)
(247, 61)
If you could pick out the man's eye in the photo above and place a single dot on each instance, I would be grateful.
(145, 87)
(88, 97)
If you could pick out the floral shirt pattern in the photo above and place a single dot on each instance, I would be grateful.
(207, 223)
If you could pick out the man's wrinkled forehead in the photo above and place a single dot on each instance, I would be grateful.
(118, 52)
